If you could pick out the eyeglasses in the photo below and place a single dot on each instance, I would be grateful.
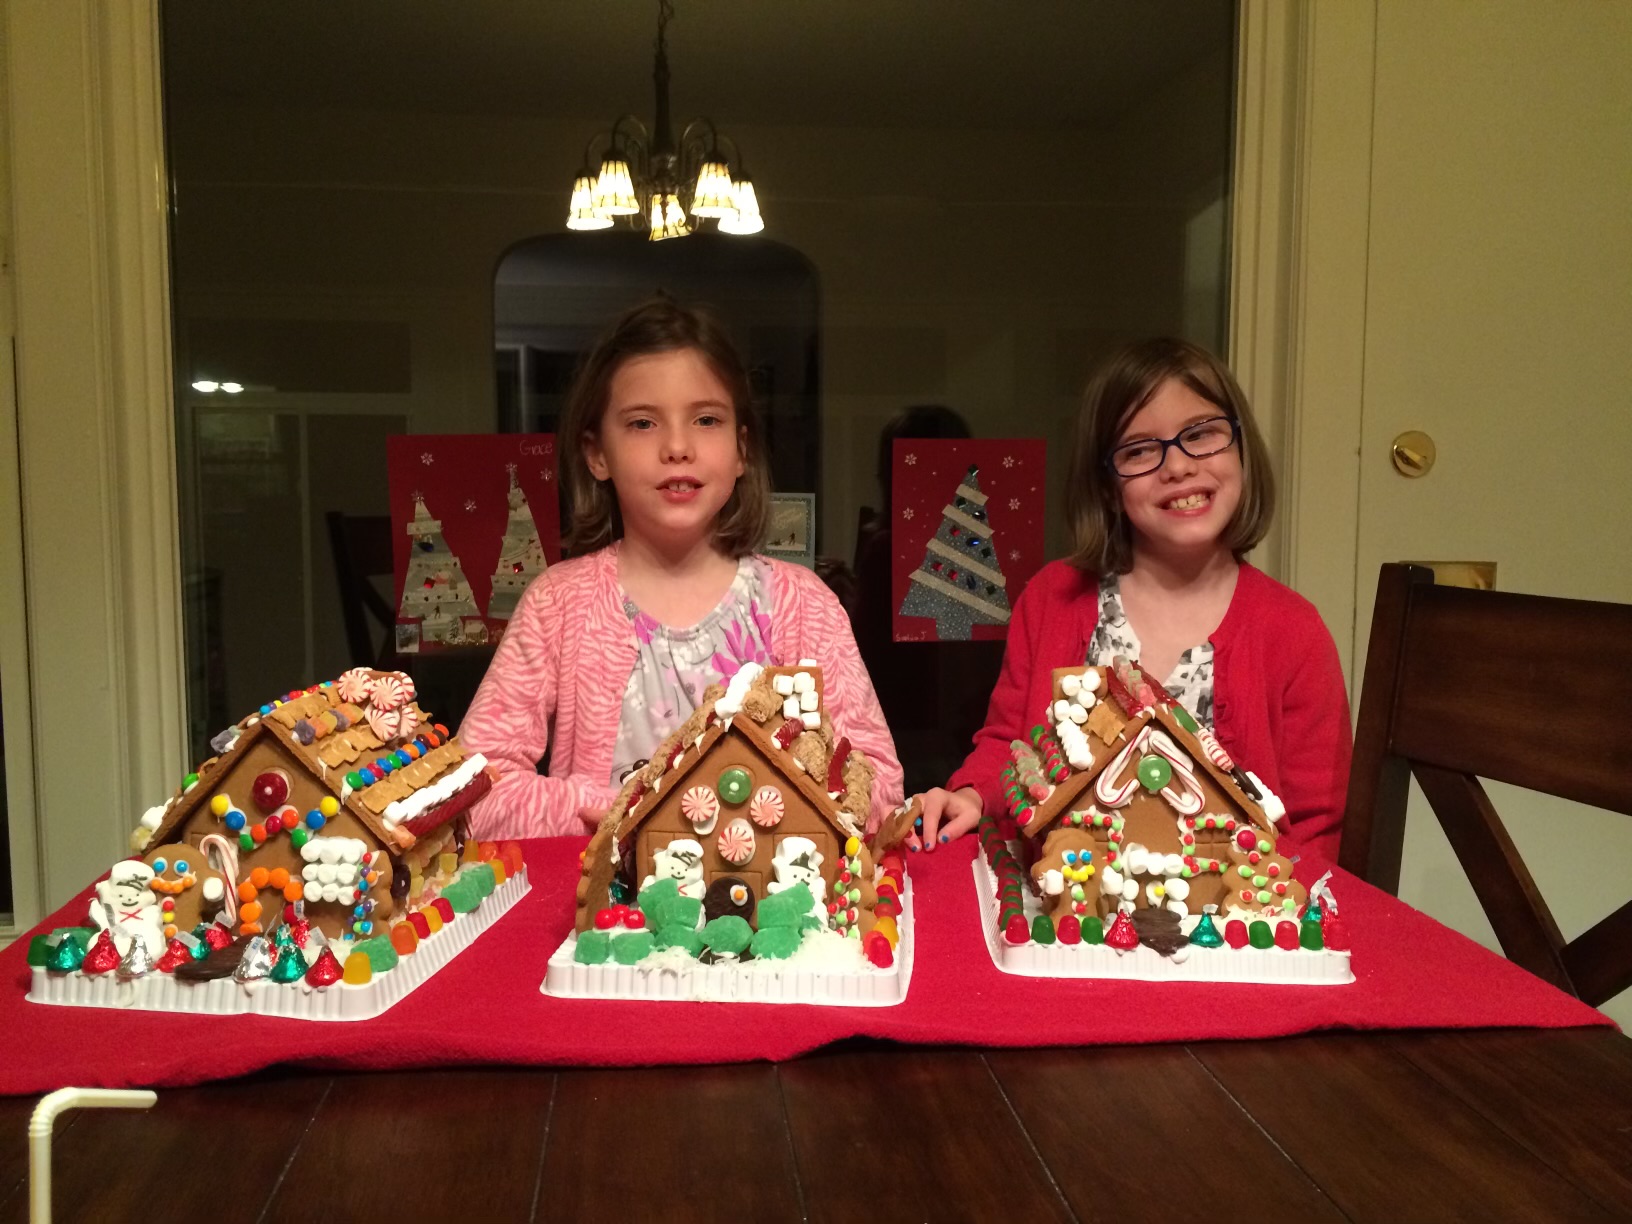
(1210, 437)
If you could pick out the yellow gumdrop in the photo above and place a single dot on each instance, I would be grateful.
(473, 851)
(851, 846)
(358, 969)
(432, 917)
(498, 870)
(328, 805)
(449, 863)
(889, 880)
(219, 805)
(416, 885)
(886, 925)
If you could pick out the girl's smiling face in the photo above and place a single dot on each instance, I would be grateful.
(1183, 506)
(670, 444)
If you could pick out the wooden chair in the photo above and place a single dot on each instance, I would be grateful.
(1522, 689)
(361, 544)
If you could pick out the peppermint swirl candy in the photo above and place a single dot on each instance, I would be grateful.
(387, 692)
(384, 723)
(701, 806)
(766, 807)
(353, 686)
(408, 723)
(737, 842)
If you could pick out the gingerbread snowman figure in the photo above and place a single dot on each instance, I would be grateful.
(126, 904)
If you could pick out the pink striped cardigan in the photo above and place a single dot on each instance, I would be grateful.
(557, 681)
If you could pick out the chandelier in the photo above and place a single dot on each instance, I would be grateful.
(671, 187)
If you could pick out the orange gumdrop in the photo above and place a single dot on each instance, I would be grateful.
(403, 938)
(432, 917)
(487, 851)
(293, 891)
(512, 856)
(496, 866)
(247, 891)
(250, 912)
(259, 877)
(471, 852)
(278, 877)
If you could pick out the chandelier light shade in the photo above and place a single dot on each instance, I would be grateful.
(671, 187)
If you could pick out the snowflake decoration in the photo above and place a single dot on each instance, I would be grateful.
(427, 458)
(1014, 503)
(470, 503)
(1014, 554)
(1008, 460)
(907, 514)
(911, 459)
(548, 475)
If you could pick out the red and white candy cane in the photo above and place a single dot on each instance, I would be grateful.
(1190, 801)
(1214, 750)
(222, 854)
(1105, 788)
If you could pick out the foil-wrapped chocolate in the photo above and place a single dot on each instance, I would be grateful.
(138, 962)
(255, 962)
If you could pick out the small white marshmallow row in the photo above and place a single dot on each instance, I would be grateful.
(1070, 712)
(801, 699)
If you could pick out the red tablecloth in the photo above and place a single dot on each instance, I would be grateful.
(485, 1007)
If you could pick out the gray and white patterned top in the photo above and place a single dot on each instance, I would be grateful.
(673, 666)
(1191, 681)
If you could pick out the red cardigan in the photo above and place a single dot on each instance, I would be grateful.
(1278, 701)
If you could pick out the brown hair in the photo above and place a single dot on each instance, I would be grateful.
(1123, 383)
(661, 325)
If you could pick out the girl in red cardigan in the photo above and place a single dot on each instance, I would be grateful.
(1170, 488)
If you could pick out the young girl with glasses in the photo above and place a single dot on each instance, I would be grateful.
(1170, 488)
(609, 652)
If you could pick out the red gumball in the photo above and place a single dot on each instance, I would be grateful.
(635, 920)
(1247, 838)
(270, 790)
(605, 919)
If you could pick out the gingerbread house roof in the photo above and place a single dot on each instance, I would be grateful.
(363, 739)
(1135, 701)
(754, 708)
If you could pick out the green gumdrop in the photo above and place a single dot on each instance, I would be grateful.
(776, 943)
(1310, 937)
(686, 912)
(685, 937)
(784, 909)
(1093, 930)
(593, 948)
(655, 899)
(481, 879)
(1259, 935)
(39, 951)
(382, 957)
(1183, 718)
(1042, 930)
(809, 922)
(631, 946)
(729, 934)
(463, 895)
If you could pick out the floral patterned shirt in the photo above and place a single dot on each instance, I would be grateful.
(673, 666)
(1191, 681)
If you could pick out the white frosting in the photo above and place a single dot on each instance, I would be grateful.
(736, 690)
(440, 791)
(1271, 804)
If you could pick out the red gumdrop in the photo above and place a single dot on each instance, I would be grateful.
(1122, 935)
(877, 947)
(325, 970)
(421, 924)
(1286, 936)
(1235, 933)
(635, 920)
(103, 956)
(1334, 933)
(1018, 930)
(605, 919)
(1070, 931)
(886, 908)
(888, 891)
(443, 907)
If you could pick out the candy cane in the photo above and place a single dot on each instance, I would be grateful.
(1214, 749)
(1105, 788)
(225, 860)
(1192, 800)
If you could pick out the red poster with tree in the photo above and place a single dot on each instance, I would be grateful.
(967, 522)
(474, 519)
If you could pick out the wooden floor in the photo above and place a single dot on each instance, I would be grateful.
(1488, 1126)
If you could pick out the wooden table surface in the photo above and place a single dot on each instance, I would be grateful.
(1487, 1126)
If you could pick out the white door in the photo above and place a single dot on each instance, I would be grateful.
(1498, 320)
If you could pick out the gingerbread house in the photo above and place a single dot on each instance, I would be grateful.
(322, 840)
(754, 795)
(1123, 799)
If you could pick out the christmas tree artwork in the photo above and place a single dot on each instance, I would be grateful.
(435, 590)
(960, 582)
(521, 555)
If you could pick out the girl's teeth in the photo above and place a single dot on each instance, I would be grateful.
(1188, 503)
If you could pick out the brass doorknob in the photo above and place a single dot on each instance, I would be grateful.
(1413, 454)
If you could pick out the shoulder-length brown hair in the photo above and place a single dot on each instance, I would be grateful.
(661, 325)
(1123, 383)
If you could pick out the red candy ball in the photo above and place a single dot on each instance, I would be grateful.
(270, 790)
(1247, 839)
(634, 920)
(1235, 933)
(605, 919)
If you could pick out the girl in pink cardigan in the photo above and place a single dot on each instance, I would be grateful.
(609, 652)
(1170, 488)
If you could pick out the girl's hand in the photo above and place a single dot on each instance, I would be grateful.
(947, 814)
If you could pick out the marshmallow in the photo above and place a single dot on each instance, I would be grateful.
(1070, 684)
(804, 682)
(1077, 714)
(808, 701)
(783, 684)
(790, 708)
(1062, 710)
(811, 720)
(1090, 681)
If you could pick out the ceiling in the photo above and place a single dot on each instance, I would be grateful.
(832, 63)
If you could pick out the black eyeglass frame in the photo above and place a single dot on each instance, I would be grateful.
(1235, 438)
